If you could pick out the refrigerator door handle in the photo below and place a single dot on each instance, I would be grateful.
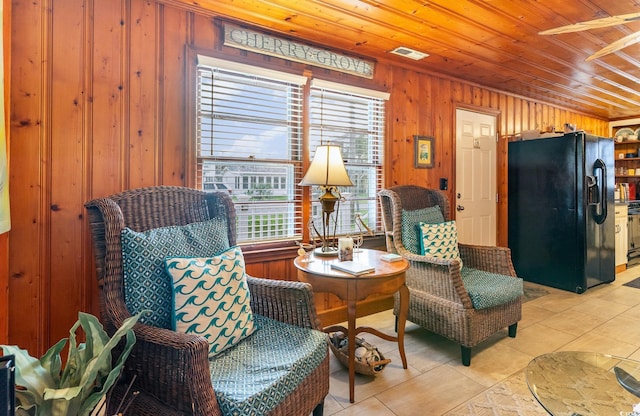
(599, 192)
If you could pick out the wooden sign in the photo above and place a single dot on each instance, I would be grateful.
(266, 44)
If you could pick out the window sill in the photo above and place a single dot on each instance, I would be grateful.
(265, 252)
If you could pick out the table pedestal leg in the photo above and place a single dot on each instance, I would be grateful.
(351, 337)
(402, 320)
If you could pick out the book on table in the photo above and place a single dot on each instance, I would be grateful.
(390, 257)
(353, 268)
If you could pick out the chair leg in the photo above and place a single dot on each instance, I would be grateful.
(396, 324)
(466, 355)
(319, 409)
(512, 330)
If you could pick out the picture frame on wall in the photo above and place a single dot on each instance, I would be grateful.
(423, 151)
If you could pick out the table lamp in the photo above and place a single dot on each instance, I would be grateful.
(327, 171)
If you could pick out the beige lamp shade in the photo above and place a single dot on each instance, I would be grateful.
(327, 168)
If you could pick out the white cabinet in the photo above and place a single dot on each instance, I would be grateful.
(621, 234)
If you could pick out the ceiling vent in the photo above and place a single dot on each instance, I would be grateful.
(409, 53)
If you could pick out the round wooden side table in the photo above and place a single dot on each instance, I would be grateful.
(386, 278)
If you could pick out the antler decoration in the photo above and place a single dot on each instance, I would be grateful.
(360, 224)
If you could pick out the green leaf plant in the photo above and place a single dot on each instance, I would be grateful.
(43, 387)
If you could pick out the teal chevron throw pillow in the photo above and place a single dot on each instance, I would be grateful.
(146, 283)
(440, 240)
(211, 298)
(410, 225)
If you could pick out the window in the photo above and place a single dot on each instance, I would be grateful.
(354, 119)
(250, 138)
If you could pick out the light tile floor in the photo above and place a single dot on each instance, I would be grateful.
(604, 319)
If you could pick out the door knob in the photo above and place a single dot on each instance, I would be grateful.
(459, 208)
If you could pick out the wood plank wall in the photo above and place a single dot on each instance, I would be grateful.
(4, 238)
(98, 105)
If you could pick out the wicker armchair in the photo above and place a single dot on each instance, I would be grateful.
(171, 368)
(439, 300)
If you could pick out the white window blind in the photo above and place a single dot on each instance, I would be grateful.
(353, 118)
(249, 137)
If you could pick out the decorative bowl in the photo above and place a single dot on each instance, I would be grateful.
(369, 361)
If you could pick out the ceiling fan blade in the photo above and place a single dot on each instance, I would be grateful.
(593, 24)
(617, 45)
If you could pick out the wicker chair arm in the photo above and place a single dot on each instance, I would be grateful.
(488, 258)
(412, 257)
(437, 276)
(173, 367)
(285, 301)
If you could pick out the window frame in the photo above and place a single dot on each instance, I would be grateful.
(330, 119)
(306, 200)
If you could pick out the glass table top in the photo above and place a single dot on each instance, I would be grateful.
(585, 383)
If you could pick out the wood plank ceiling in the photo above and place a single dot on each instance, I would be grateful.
(494, 43)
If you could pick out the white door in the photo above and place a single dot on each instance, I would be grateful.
(475, 199)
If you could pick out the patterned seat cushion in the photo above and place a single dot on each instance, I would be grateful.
(147, 286)
(490, 289)
(261, 370)
(410, 225)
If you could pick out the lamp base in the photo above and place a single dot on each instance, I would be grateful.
(328, 252)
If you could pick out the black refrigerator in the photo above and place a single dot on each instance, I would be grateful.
(561, 210)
